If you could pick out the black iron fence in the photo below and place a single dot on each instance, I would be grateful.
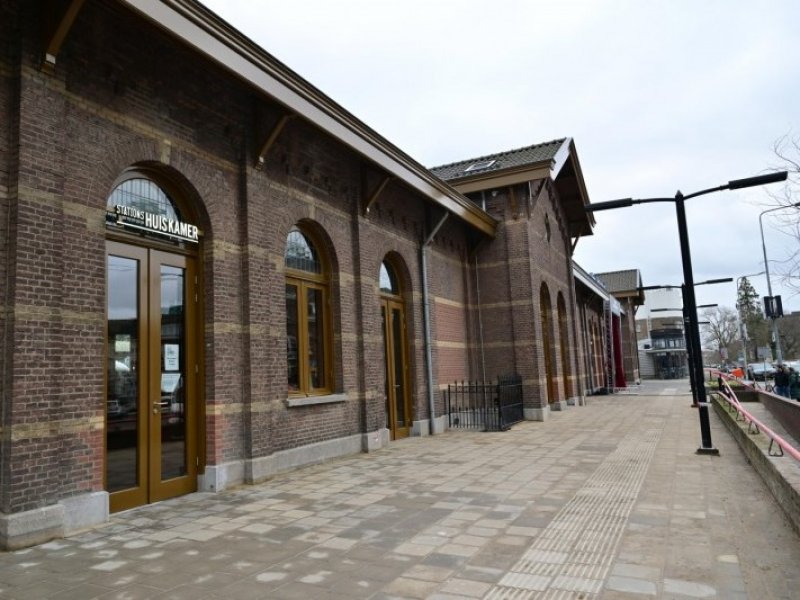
(485, 406)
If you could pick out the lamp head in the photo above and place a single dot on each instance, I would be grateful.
(609, 205)
(738, 184)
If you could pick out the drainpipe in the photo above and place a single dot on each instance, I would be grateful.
(478, 291)
(480, 318)
(426, 317)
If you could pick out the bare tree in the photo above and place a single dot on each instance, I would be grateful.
(790, 335)
(722, 330)
(787, 151)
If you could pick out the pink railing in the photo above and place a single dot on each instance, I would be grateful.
(727, 394)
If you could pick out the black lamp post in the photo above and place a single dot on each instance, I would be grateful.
(690, 304)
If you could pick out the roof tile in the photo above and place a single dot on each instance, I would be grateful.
(502, 160)
(621, 281)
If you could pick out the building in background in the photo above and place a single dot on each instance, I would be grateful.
(662, 341)
(625, 286)
(601, 317)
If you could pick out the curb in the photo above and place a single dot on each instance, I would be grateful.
(768, 467)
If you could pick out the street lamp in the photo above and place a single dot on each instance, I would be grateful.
(773, 318)
(690, 315)
(742, 325)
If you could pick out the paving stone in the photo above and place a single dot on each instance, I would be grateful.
(410, 588)
(458, 515)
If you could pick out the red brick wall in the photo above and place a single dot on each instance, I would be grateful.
(592, 357)
(113, 103)
(451, 342)
(9, 39)
(511, 271)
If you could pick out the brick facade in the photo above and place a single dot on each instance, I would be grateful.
(112, 104)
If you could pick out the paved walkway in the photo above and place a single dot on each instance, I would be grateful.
(602, 501)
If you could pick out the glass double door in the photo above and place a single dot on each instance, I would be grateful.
(151, 399)
(398, 404)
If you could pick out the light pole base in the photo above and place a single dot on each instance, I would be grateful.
(709, 451)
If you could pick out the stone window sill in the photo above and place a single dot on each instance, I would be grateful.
(311, 400)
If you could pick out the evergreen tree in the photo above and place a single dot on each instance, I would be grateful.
(749, 306)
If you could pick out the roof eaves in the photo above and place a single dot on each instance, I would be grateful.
(208, 34)
(590, 281)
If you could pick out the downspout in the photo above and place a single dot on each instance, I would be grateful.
(478, 295)
(426, 318)
(480, 319)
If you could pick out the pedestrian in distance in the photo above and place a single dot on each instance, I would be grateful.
(794, 384)
(782, 381)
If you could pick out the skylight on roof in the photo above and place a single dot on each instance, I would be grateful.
(479, 166)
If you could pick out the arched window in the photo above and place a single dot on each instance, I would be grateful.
(566, 370)
(388, 280)
(145, 195)
(395, 345)
(308, 336)
(548, 342)
(141, 206)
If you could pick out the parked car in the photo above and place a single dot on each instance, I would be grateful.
(760, 371)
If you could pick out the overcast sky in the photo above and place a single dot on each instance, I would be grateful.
(659, 97)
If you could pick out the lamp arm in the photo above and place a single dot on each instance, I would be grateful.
(704, 192)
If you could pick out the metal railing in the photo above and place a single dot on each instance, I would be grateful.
(485, 406)
(727, 394)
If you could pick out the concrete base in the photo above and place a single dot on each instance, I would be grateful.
(423, 427)
(40, 525)
(576, 401)
(86, 510)
(708, 451)
(218, 478)
(370, 442)
(20, 530)
(259, 469)
(559, 405)
(536, 414)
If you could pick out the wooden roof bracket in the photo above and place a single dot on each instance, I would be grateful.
(369, 199)
(55, 32)
(270, 141)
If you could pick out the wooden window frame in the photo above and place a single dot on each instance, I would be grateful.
(304, 281)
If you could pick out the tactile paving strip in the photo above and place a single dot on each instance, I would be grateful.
(572, 556)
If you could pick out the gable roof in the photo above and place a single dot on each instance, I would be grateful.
(529, 155)
(625, 283)
(556, 160)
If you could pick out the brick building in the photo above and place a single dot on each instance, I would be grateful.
(600, 323)
(626, 286)
(212, 272)
(527, 301)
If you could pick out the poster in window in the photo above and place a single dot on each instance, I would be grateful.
(172, 357)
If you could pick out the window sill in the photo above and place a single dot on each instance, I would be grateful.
(311, 400)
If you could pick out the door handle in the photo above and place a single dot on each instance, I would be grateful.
(156, 407)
